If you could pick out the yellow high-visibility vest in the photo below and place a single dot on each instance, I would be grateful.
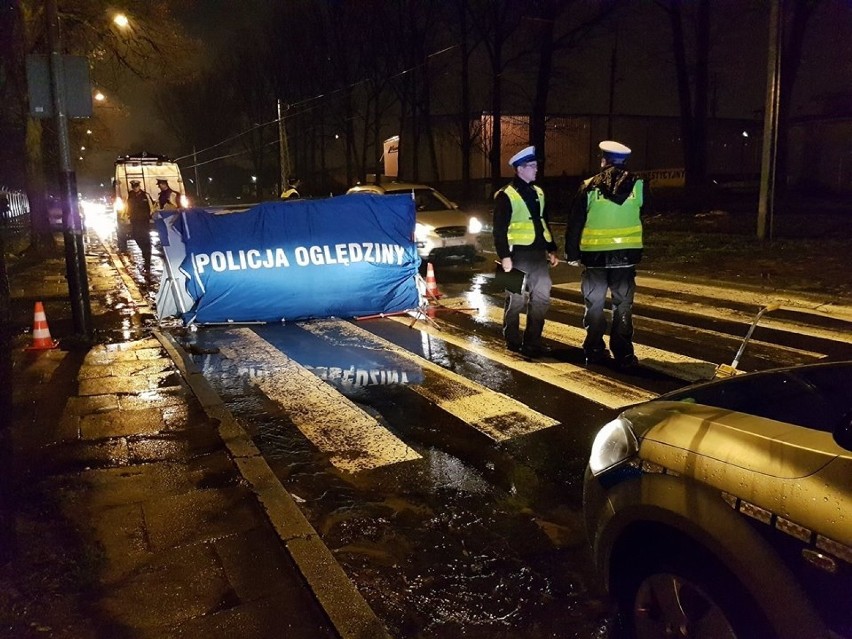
(610, 226)
(521, 227)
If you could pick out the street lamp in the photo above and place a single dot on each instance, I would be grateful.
(120, 20)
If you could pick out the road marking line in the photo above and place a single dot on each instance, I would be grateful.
(788, 300)
(675, 365)
(722, 313)
(786, 354)
(354, 440)
(496, 415)
(575, 379)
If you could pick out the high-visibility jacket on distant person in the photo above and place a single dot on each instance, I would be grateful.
(521, 228)
(604, 224)
(611, 226)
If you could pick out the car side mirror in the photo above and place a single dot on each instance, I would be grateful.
(843, 432)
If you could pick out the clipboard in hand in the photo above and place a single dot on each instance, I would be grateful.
(513, 281)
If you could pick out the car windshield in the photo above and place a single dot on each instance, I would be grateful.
(815, 397)
(426, 200)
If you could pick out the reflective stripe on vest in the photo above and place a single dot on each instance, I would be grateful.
(611, 226)
(521, 228)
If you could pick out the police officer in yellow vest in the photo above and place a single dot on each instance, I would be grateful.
(523, 241)
(605, 234)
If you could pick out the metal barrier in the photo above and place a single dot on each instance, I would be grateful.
(13, 205)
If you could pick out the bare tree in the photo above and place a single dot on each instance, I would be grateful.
(553, 42)
(496, 21)
(693, 90)
(151, 37)
(461, 26)
(797, 16)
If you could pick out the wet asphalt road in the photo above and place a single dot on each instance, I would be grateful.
(466, 532)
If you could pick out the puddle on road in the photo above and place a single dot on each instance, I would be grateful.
(440, 547)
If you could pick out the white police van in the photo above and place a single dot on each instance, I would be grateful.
(146, 168)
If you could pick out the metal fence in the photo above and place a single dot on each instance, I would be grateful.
(14, 205)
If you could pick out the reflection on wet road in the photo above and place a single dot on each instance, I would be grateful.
(444, 472)
(473, 534)
(352, 439)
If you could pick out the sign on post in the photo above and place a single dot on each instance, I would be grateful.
(78, 90)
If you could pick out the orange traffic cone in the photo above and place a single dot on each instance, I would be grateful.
(431, 285)
(41, 333)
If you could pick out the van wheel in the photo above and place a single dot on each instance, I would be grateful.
(685, 594)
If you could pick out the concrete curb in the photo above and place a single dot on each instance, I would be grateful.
(120, 268)
(347, 610)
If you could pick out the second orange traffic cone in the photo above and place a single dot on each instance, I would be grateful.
(41, 333)
(431, 285)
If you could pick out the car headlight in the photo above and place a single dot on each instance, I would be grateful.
(614, 444)
(474, 226)
(421, 232)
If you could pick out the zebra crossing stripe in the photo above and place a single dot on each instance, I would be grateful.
(678, 366)
(788, 300)
(353, 440)
(674, 365)
(767, 321)
(492, 413)
(574, 379)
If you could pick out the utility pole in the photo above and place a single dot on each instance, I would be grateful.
(75, 255)
(766, 205)
(197, 183)
(283, 152)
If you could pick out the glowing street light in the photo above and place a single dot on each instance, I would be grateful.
(100, 97)
(120, 20)
(88, 132)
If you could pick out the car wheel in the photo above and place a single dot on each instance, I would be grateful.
(686, 595)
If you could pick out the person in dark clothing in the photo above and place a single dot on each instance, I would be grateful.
(168, 199)
(523, 240)
(604, 234)
(139, 212)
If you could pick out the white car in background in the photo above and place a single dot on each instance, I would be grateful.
(442, 229)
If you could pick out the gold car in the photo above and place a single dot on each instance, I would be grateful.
(725, 509)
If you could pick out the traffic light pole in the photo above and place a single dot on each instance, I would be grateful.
(75, 254)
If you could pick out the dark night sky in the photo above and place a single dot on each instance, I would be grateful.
(645, 78)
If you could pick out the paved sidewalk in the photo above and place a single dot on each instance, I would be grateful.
(132, 517)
